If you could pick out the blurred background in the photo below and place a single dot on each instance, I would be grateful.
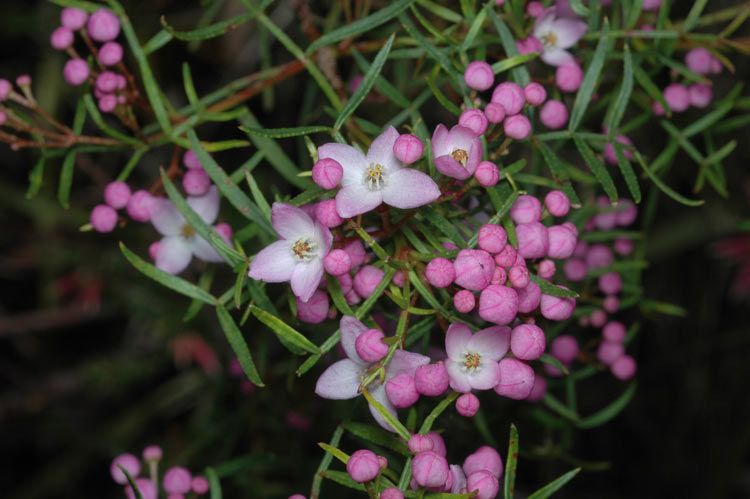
(96, 360)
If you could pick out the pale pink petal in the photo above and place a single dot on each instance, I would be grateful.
(409, 188)
(306, 278)
(404, 362)
(381, 150)
(207, 205)
(352, 161)
(456, 339)
(486, 377)
(274, 263)
(491, 343)
(569, 31)
(291, 222)
(173, 255)
(543, 23)
(459, 479)
(357, 199)
(451, 168)
(351, 328)
(340, 381)
(439, 141)
(461, 137)
(378, 393)
(323, 238)
(459, 379)
(203, 250)
(165, 217)
(475, 156)
(557, 57)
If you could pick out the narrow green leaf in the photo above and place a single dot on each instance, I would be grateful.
(651, 89)
(559, 172)
(238, 344)
(132, 163)
(553, 289)
(508, 41)
(36, 175)
(664, 187)
(443, 225)
(623, 96)
(260, 200)
(95, 115)
(208, 32)
(695, 14)
(578, 7)
(511, 464)
(68, 165)
(157, 41)
(434, 52)
(283, 330)
(131, 482)
(583, 97)
(512, 62)
(284, 133)
(213, 483)
(196, 305)
(598, 168)
(377, 436)
(474, 30)
(343, 478)
(437, 411)
(627, 171)
(325, 463)
(554, 485)
(387, 416)
(337, 453)
(609, 412)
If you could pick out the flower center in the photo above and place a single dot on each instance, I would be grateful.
(375, 177)
(187, 231)
(460, 155)
(549, 39)
(472, 361)
(304, 249)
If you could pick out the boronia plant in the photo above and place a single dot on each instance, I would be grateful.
(459, 228)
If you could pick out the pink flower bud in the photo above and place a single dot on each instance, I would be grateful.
(110, 54)
(399, 278)
(225, 231)
(624, 368)
(408, 148)
(106, 82)
(546, 269)
(352, 298)
(614, 332)
(526, 209)
(61, 38)
(498, 304)
(128, 461)
(326, 214)
(440, 272)
(345, 282)
(177, 480)
(677, 97)
(623, 246)
(464, 301)
(556, 308)
(76, 72)
(72, 18)
(487, 174)
(479, 76)
(569, 77)
(494, 112)
(611, 304)
(534, 9)
(535, 94)
(5, 89)
(420, 443)
(474, 120)
(609, 151)
(370, 346)
(651, 5)
(367, 279)
(199, 485)
(484, 484)
(363, 466)
(431, 379)
(145, 486)
(699, 60)
(562, 242)
(484, 458)
(527, 341)
(700, 95)
(610, 283)
(117, 194)
(153, 250)
(517, 127)
(315, 310)
(529, 298)
(402, 391)
(474, 269)
(430, 469)
(103, 25)
(492, 238)
(139, 206)
(383, 462)
(152, 453)
(564, 348)
(499, 277)
(627, 212)
(327, 173)
(196, 182)
(356, 252)
(519, 276)
(438, 444)
(467, 405)
(191, 161)
(529, 45)
(506, 257)
(557, 203)
(103, 218)
(554, 114)
(533, 240)
(337, 262)
(599, 256)
(107, 103)
(516, 379)
(391, 493)
(608, 352)
(510, 96)
(538, 390)
(575, 270)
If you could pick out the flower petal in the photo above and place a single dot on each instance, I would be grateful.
(492, 342)
(459, 479)
(381, 151)
(323, 238)
(451, 168)
(379, 394)
(351, 160)
(543, 23)
(486, 377)
(306, 278)
(291, 222)
(461, 137)
(569, 31)
(274, 263)
(409, 188)
(173, 255)
(340, 381)
(203, 250)
(165, 217)
(356, 199)
(456, 339)
(439, 141)
(404, 362)
(459, 379)
(351, 328)
(207, 205)
(557, 57)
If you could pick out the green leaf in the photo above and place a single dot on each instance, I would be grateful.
(553, 289)
(325, 463)
(512, 463)
(598, 168)
(337, 453)
(364, 309)
(627, 171)
(558, 171)
(651, 89)
(695, 14)
(664, 187)
(434, 52)
(377, 436)
(36, 175)
(156, 42)
(66, 173)
(578, 7)
(211, 31)
(554, 485)
(131, 482)
(583, 97)
(474, 30)
(380, 16)
(171, 281)
(283, 330)
(609, 412)
(512, 62)
(343, 478)
(283, 133)
(238, 344)
(548, 359)
(437, 411)
(623, 97)
(214, 484)
(366, 85)
(387, 416)
(443, 225)
(508, 41)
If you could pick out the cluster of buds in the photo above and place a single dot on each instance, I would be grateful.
(681, 96)
(177, 482)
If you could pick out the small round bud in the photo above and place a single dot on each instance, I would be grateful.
(598, 318)
(103, 25)
(554, 114)
(529, 45)
(76, 72)
(177, 480)
(402, 391)
(609, 150)
(484, 484)
(546, 269)
(699, 60)
(614, 332)
(623, 246)
(564, 348)
(529, 298)
(430, 469)
(533, 240)
(337, 262)
(199, 485)
(492, 238)
(499, 277)
(106, 82)
(474, 269)
(110, 54)
(357, 253)
(408, 148)
(677, 97)
(128, 461)
(556, 308)
(599, 256)
(370, 346)
(516, 379)
(326, 214)
(474, 120)
(506, 257)
(569, 77)
(5, 89)
(610, 283)
(438, 444)
(527, 341)
(196, 182)
(627, 212)
(467, 405)
(327, 173)
(391, 493)
(484, 458)
(519, 276)
(562, 242)
(315, 310)
(535, 94)
(367, 279)
(431, 379)
(440, 272)
(651, 5)
(624, 368)
(107, 103)
(608, 352)
(191, 161)
(700, 95)
(479, 76)
(517, 127)
(534, 9)
(510, 96)
(538, 390)
(152, 453)
(225, 231)
(464, 301)
(526, 209)
(363, 466)
(557, 203)
(153, 250)
(103, 218)
(611, 304)
(498, 304)
(419, 443)
(139, 206)
(117, 194)
(487, 174)
(73, 19)
(494, 112)
(61, 38)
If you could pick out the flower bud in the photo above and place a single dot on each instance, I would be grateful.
(598, 318)
(315, 310)
(191, 161)
(408, 148)
(699, 60)
(110, 54)
(367, 279)
(651, 5)
(363, 466)
(538, 390)
(73, 19)
(517, 127)
(479, 76)
(337, 262)
(557, 203)
(370, 346)
(611, 304)
(610, 283)
(499, 277)
(529, 45)
(614, 332)
(535, 94)
(627, 212)
(608, 352)
(498, 304)
(487, 174)
(431, 379)
(139, 206)
(391, 493)
(430, 469)
(199, 485)
(519, 276)
(128, 461)
(61, 38)
(464, 301)
(569, 77)
(484, 484)
(554, 114)
(76, 72)
(533, 240)
(103, 218)
(474, 120)
(146, 488)
(484, 458)
(402, 391)
(152, 453)
(677, 97)
(177, 480)
(107, 103)
(492, 238)
(326, 214)
(526, 209)
(624, 368)
(494, 112)
(556, 308)
(327, 173)
(599, 256)
(103, 25)
(527, 341)
(106, 82)
(510, 96)
(623, 246)
(440, 272)
(438, 444)
(529, 298)
(534, 9)
(562, 242)
(357, 253)
(700, 95)
(474, 269)
(546, 269)
(196, 182)
(419, 443)
(117, 194)
(506, 257)
(564, 348)
(5, 89)
(467, 405)
(516, 379)
(575, 270)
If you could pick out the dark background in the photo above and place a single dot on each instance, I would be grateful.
(86, 344)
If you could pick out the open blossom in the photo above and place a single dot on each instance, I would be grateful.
(298, 256)
(558, 33)
(473, 358)
(180, 242)
(377, 178)
(457, 151)
(342, 379)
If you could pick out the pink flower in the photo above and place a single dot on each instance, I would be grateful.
(180, 242)
(473, 358)
(558, 33)
(342, 379)
(457, 151)
(298, 256)
(377, 178)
